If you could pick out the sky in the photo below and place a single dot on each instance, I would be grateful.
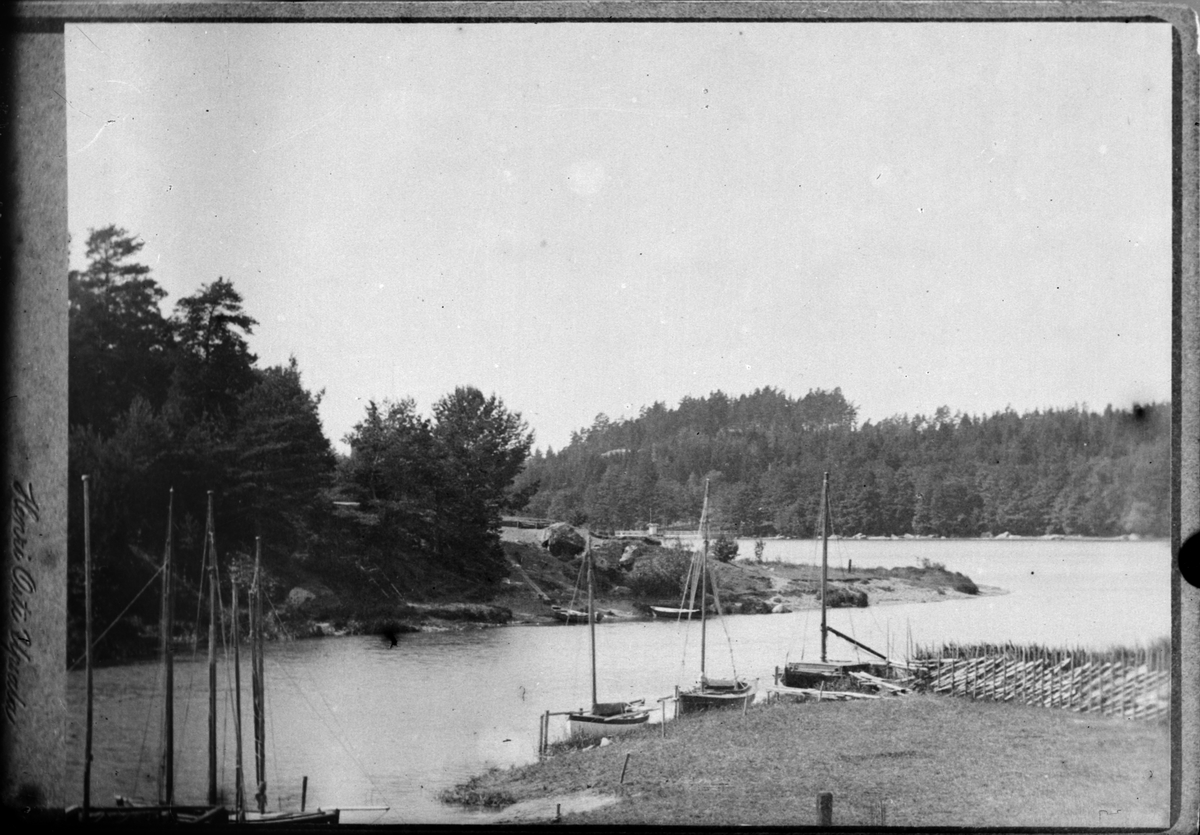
(587, 218)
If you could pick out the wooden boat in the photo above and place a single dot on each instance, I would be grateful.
(838, 675)
(569, 616)
(710, 693)
(673, 613)
(604, 718)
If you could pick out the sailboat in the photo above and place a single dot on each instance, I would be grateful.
(711, 692)
(826, 674)
(258, 699)
(166, 809)
(604, 718)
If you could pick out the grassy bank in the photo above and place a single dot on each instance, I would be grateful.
(932, 761)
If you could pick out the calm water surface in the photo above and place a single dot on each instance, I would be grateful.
(372, 725)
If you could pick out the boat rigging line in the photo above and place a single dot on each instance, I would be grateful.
(339, 734)
(97, 641)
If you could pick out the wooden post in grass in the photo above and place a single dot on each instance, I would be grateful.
(1121, 685)
(1056, 680)
(621, 782)
(1024, 674)
(303, 792)
(824, 809)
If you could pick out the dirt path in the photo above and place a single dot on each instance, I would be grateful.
(550, 808)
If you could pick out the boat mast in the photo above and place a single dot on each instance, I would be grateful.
(167, 628)
(703, 580)
(87, 637)
(256, 682)
(239, 781)
(824, 557)
(211, 554)
(591, 610)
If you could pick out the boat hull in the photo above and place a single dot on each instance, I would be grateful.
(834, 675)
(589, 725)
(667, 613)
(570, 616)
(704, 698)
(326, 817)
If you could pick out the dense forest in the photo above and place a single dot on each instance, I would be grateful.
(1059, 471)
(160, 403)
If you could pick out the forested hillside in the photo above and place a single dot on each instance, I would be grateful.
(160, 402)
(1061, 471)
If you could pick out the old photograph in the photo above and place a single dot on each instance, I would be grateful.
(697, 422)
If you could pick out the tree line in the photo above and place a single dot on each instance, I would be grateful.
(160, 402)
(1058, 471)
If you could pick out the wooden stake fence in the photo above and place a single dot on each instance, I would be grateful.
(1135, 684)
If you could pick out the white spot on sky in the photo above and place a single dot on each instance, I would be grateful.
(1103, 149)
(586, 177)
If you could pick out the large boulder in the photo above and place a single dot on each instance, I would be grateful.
(629, 556)
(562, 540)
(299, 596)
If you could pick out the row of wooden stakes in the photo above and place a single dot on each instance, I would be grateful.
(1134, 684)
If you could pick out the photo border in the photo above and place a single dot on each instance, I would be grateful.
(35, 259)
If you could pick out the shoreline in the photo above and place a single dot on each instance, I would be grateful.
(931, 760)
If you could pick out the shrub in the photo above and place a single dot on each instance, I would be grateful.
(964, 584)
(843, 598)
(725, 548)
(660, 573)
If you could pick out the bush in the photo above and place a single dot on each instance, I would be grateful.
(725, 548)
(660, 573)
(843, 598)
(964, 584)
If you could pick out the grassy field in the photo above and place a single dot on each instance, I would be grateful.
(928, 760)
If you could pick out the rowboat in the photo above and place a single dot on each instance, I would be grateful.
(671, 612)
(570, 616)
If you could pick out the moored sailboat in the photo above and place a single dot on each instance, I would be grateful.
(604, 718)
(166, 809)
(829, 675)
(710, 692)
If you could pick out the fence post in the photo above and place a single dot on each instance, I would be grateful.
(1123, 685)
(1024, 675)
(824, 809)
(1055, 675)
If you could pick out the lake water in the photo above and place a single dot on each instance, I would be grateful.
(373, 725)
